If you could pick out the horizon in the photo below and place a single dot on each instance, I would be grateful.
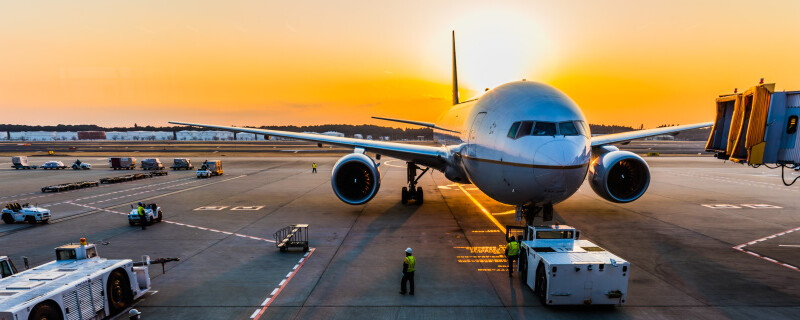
(246, 61)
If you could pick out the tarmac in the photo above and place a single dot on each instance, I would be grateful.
(709, 240)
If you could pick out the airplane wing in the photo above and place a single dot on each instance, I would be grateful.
(418, 123)
(633, 135)
(428, 156)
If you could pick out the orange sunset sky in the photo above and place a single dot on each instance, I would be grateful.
(251, 62)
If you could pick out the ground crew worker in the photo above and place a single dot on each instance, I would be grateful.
(409, 266)
(142, 216)
(134, 314)
(512, 254)
(313, 167)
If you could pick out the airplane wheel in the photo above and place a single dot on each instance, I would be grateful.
(7, 218)
(404, 196)
(541, 284)
(419, 196)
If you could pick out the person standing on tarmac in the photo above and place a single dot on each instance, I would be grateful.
(313, 167)
(142, 216)
(409, 266)
(512, 254)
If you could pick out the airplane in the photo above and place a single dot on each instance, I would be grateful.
(522, 143)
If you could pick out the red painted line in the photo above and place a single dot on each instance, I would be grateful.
(782, 264)
(289, 279)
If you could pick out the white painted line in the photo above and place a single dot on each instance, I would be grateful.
(282, 282)
(295, 266)
(208, 208)
(721, 206)
(301, 260)
(247, 208)
(265, 302)
(274, 292)
(255, 313)
(761, 206)
(289, 274)
(277, 291)
(789, 245)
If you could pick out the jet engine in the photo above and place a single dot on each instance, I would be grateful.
(619, 176)
(355, 179)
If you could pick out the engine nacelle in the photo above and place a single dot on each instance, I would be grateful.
(619, 176)
(355, 179)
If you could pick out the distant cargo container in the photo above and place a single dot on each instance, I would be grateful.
(122, 163)
(91, 135)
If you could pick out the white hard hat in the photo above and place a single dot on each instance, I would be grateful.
(134, 312)
(408, 250)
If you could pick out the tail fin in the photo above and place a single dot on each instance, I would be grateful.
(455, 72)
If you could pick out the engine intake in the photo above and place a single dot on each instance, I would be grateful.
(619, 176)
(355, 179)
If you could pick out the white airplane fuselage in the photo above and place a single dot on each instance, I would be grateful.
(544, 165)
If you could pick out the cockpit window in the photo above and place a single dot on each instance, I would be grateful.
(582, 127)
(512, 133)
(544, 129)
(567, 129)
(525, 129)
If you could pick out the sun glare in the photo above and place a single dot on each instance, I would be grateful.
(499, 46)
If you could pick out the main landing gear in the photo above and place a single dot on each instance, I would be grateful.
(529, 212)
(412, 192)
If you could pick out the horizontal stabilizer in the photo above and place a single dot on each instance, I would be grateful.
(419, 123)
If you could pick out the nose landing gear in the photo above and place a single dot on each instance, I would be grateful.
(412, 192)
(529, 212)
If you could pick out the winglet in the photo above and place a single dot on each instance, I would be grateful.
(455, 72)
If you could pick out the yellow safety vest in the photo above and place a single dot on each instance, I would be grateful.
(141, 211)
(314, 165)
(411, 262)
(513, 248)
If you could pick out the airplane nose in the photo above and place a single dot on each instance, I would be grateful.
(560, 153)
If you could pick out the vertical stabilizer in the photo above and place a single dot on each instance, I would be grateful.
(455, 72)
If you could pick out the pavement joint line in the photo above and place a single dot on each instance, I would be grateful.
(483, 209)
(277, 291)
(178, 223)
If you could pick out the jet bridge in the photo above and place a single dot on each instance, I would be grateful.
(758, 127)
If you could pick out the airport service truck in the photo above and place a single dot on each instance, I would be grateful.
(210, 168)
(7, 268)
(122, 163)
(15, 212)
(563, 270)
(21, 162)
(77, 285)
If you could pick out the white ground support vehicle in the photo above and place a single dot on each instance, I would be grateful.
(152, 211)
(210, 168)
(562, 270)
(77, 285)
(14, 212)
(80, 165)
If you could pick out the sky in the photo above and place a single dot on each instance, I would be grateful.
(258, 62)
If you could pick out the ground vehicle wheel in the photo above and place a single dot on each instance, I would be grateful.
(45, 311)
(7, 218)
(419, 196)
(541, 284)
(159, 217)
(119, 292)
(130, 222)
(30, 220)
(404, 196)
(46, 221)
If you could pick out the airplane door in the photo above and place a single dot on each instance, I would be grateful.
(473, 133)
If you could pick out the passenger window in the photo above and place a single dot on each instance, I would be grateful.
(544, 129)
(525, 129)
(512, 133)
(791, 127)
(567, 129)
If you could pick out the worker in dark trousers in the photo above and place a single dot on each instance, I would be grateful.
(313, 167)
(512, 254)
(142, 216)
(409, 266)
